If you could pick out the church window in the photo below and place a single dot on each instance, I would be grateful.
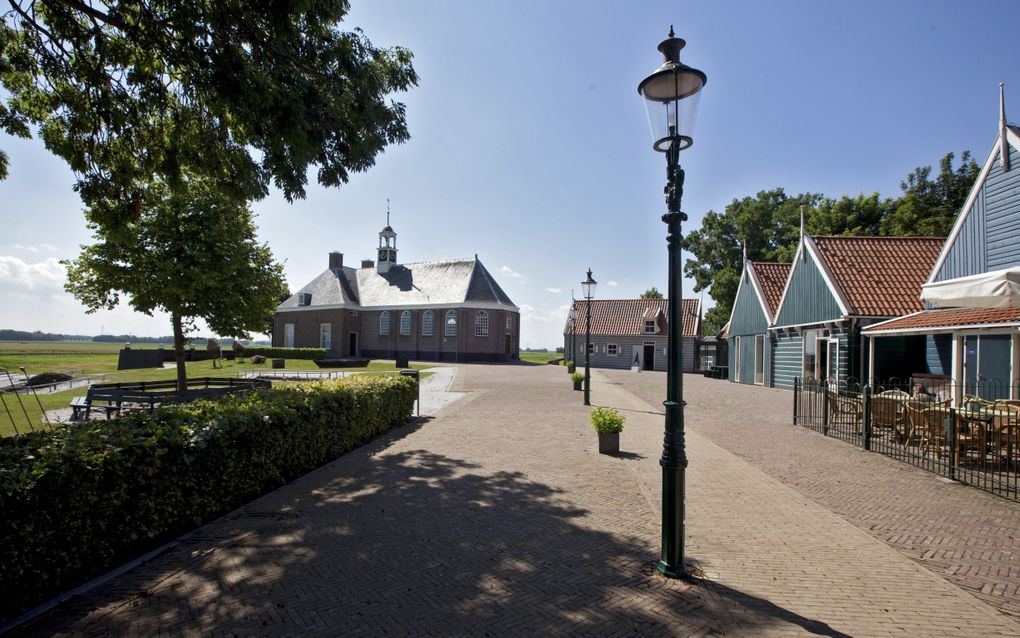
(451, 323)
(405, 323)
(384, 323)
(426, 323)
(482, 324)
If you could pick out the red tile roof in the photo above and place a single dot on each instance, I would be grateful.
(772, 277)
(626, 317)
(950, 317)
(880, 276)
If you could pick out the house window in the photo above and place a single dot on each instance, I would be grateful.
(405, 323)
(288, 335)
(612, 349)
(759, 359)
(384, 323)
(304, 299)
(810, 369)
(509, 321)
(426, 323)
(650, 327)
(482, 324)
(591, 348)
(451, 323)
(325, 336)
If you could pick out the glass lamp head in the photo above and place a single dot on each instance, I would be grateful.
(671, 95)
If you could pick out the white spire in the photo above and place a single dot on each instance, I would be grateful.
(1003, 142)
(745, 250)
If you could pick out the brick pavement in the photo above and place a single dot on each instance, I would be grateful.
(497, 517)
(967, 536)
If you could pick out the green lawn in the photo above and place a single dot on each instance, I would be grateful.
(540, 357)
(93, 358)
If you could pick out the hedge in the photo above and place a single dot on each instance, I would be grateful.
(78, 500)
(285, 353)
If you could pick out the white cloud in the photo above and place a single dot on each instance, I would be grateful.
(34, 249)
(509, 272)
(612, 284)
(17, 274)
(554, 291)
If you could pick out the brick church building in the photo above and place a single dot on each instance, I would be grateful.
(450, 310)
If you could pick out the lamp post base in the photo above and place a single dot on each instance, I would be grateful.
(670, 571)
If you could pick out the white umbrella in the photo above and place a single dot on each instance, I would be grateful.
(996, 289)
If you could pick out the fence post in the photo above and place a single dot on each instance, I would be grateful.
(953, 442)
(866, 416)
(824, 387)
(796, 397)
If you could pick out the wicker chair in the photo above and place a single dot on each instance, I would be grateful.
(887, 412)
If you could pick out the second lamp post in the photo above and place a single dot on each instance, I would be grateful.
(588, 285)
(671, 96)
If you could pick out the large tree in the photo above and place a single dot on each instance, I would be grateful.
(192, 253)
(244, 93)
(929, 207)
(651, 293)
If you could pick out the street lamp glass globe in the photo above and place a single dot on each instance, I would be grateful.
(671, 95)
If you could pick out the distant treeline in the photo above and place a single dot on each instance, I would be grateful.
(24, 335)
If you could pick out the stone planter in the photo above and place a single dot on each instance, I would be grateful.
(577, 384)
(609, 443)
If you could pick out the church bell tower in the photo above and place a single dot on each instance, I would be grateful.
(387, 246)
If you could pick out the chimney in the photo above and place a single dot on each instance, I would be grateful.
(336, 260)
(367, 263)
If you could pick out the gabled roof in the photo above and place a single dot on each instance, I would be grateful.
(452, 282)
(771, 278)
(929, 320)
(626, 317)
(879, 276)
(1012, 138)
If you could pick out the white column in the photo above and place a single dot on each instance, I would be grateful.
(956, 373)
(1014, 367)
(871, 361)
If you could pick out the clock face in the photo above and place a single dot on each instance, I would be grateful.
(382, 255)
(393, 255)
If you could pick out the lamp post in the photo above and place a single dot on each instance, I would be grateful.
(573, 332)
(589, 291)
(671, 95)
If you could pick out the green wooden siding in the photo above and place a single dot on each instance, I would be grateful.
(747, 317)
(808, 298)
(786, 360)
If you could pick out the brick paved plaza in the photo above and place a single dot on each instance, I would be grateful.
(497, 517)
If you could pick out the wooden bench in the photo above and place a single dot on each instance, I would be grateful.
(118, 398)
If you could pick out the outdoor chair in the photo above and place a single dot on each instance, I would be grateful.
(896, 394)
(917, 430)
(887, 412)
(935, 429)
(844, 409)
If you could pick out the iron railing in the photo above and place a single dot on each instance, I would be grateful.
(971, 439)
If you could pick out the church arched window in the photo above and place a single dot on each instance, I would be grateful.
(405, 323)
(482, 324)
(426, 323)
(451, 323)
(384, 323)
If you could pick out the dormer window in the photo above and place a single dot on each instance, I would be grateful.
(650, 327)
(304, 299)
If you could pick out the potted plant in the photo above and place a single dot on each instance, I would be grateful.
(570, 366)
(608, 423)
(577, 378)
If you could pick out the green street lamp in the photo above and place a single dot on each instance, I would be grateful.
(573, 332)
(588, 285)
(671, 95)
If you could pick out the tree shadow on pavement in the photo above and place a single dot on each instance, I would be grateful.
(413, 543)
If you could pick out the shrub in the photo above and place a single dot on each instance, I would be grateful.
(606, 420)
(576, 376)
(285, 353)
(46, 378)
(78, 500)
(568, 362)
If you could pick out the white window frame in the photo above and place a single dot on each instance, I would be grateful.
(384, 323)
(427, 322)
(326, 336)
(405, 323)
(650, 327)
(450, 323)
(509, 321)
(612, 350)
(481, 324)
(736, 359)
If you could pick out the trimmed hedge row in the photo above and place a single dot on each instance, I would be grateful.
(285, 353)
(78, 500)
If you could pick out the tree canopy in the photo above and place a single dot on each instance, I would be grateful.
(768, 225)
(193, 254)
(651, 293)
(243, 93)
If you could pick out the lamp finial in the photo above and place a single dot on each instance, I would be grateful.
(1003, 143)
(671, 34)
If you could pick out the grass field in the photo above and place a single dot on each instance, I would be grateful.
(101, 358)
(540, 357)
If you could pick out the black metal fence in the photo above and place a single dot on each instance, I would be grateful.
(971, 439)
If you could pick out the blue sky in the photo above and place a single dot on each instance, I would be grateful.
(530, 146)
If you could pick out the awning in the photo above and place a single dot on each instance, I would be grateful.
(997, 289)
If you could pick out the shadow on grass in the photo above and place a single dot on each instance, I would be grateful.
(413, 542)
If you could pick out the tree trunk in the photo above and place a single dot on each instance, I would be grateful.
(182, 371)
